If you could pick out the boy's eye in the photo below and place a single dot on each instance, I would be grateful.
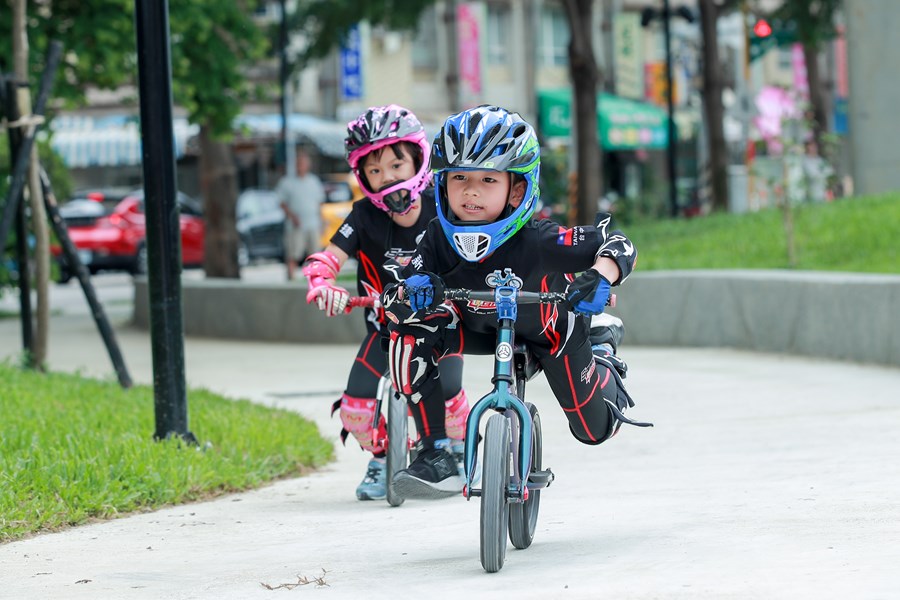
(459, 177)
(488, 180)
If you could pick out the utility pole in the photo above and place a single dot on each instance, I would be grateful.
(287, 148)
(648, 15)
(452, 56)
(161, 210)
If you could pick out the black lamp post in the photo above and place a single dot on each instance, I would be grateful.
(647, 16)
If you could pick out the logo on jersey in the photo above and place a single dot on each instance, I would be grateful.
(570, 237)
(400, 255)
(588, 372)
(417, 261)
(346, 230)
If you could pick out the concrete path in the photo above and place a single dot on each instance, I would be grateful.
(765, 477)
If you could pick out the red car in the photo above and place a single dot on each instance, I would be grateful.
(109, 232)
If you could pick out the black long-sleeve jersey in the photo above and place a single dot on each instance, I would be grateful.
(370, 236)
(541, 254)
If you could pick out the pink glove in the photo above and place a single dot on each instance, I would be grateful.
(321, 270)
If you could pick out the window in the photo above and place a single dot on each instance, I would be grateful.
(553, 37)
(498, 19)
(424, 48)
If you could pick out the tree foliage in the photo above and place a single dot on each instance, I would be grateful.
(211, 41)
(814, 19)
(324, 23)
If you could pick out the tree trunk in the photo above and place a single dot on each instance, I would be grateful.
(35, 196)
(219, 184)
(712, 106)
(816, 95)
(585, 74)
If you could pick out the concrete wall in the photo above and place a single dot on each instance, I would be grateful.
(840, 316)
(224, 308)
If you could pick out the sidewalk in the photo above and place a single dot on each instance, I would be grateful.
(765, 477)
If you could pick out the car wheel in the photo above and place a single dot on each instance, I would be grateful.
(140, 261)
(65, 276)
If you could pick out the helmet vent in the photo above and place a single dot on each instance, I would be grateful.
(472, 246)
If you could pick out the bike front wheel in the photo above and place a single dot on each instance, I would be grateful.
(494, 488)
(398, 443)
(523, 516)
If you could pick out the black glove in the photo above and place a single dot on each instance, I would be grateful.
(423, 290)
(588, 294)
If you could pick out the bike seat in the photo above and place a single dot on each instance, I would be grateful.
(525, 357)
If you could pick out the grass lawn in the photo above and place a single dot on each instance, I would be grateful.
(853, 234)
(75, 449)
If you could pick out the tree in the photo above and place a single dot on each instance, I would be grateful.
(712, 104)
(324, 23)
(211, 43)
(585, 75)
(815, 25)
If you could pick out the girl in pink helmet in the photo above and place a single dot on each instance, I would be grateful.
(387, 150)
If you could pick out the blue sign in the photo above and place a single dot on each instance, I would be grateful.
(351, 66)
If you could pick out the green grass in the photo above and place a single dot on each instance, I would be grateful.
(75, 449)
(854, 234)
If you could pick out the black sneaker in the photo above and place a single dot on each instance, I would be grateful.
(432, 475)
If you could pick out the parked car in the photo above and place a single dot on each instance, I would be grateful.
(339, 197)
(260, 220)
(260, 226)
(109, 233)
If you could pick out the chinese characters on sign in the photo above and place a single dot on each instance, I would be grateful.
(351, 66)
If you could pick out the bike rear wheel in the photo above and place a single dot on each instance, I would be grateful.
(494, 486)
(398, 443)
(523, 517)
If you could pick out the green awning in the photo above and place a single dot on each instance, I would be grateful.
(622, 124)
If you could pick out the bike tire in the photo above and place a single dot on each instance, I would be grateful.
(398, 443)
(494, 486)
(523, 517)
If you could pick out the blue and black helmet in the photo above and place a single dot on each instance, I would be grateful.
(485, 138)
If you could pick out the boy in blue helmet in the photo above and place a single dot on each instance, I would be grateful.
(486, 162)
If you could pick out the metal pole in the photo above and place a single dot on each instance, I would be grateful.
(81, 272)
(21, 250)
(671, 154)
(163, 232)
(17, 183)
(283, 82)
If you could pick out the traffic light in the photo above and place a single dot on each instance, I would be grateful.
(765, 35)
(762, 29)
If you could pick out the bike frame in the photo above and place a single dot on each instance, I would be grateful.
(506, 295)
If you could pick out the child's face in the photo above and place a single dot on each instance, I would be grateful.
(384, 168)
(481, 195)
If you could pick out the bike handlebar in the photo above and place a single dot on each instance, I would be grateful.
(521, 298)
(362, 302)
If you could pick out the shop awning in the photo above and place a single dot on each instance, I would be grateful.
(108, 141)
(622, 124)
(115, 140)
(328, 136)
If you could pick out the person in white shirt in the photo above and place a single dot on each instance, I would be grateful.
(301, 198)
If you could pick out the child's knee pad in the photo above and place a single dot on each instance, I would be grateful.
(357, 416)
(456, 411)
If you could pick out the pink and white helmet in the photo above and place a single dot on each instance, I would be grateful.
(382, 126)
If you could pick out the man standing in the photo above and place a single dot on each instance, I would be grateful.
(301, 197)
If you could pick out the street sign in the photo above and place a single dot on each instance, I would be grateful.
(351, 66)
